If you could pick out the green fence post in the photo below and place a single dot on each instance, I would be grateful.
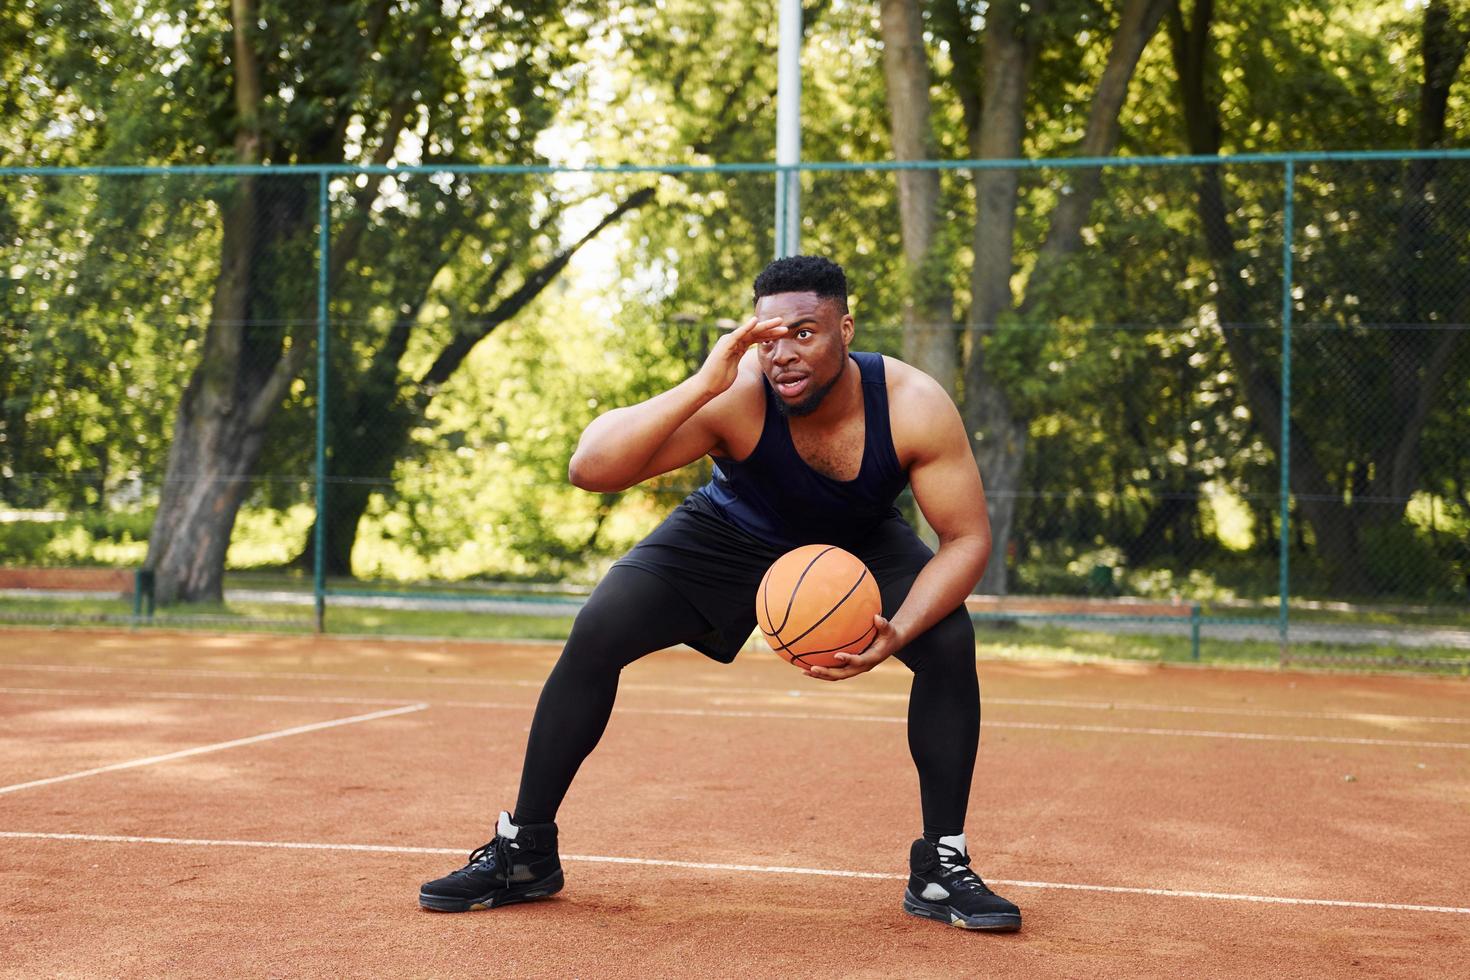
(142, 595)
(1194, 620)
(319, 544)
(1286, 305)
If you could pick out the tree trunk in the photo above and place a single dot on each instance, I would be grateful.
(245, 367)
(220, 429)
(1418, 360)
(929, 341)
(249, 360)
(1000, 68)
(1337, 538)
(997, 433)
(209, 466)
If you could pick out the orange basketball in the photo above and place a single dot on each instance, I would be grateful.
(815, 602)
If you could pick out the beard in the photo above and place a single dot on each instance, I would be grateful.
(813, 400)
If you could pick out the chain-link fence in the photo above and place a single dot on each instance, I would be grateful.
(201, 362)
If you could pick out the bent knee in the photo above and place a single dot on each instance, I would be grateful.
(603, 637)
(948, 645)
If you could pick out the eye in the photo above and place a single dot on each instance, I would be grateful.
(803, 334)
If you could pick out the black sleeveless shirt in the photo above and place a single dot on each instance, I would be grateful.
(775, 495)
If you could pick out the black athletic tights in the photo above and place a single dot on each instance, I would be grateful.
(634, 612)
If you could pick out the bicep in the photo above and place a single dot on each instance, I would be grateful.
(946, 482)
(692, 440)
(711, 429)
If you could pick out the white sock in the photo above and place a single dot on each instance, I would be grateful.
(957, 842)
(508, 830)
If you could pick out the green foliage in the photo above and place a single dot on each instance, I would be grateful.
(1399, 560)
(97, 326)
(24, 542)
(1056, 641)
(1117, 358)
(485, 493)
(90, 538)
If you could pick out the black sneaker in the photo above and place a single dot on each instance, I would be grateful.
(942, 886)
(519, 865)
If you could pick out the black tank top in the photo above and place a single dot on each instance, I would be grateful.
(774, 494)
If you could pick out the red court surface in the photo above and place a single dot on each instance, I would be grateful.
(191, 805)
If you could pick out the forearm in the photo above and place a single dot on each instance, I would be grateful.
(942, 586)
(616, 448)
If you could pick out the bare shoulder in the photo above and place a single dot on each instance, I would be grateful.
(906, 381)
(924, 419)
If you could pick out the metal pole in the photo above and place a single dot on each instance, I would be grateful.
(1287, 221)
(788, 131)
(324, 244)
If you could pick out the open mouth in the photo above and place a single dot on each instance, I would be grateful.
(792, 385)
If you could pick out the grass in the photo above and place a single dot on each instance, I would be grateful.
(1303, 610)
(285, 581)
(471, 625)
(1059, 642)
(1033, 641)
(1447, 616)
(253, 617)
(1350, 613)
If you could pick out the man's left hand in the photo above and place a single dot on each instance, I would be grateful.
(884, 645)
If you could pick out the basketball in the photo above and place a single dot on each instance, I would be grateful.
(815, 602)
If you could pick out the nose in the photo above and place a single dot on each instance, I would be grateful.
(783, 351)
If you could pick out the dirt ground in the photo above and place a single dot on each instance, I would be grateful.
(262, 806)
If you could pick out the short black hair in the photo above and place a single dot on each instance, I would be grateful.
(804, 274)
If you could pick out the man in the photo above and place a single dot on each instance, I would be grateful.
(811, 444)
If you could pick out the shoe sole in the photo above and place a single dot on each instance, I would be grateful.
(544, 888)
(994, 922)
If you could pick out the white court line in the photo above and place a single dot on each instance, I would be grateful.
(825, 692)
(216, 747)
(778, 715)
(1365, 716)
(1035, 726)
(1248, 736)
(194, 696)
(748, 868)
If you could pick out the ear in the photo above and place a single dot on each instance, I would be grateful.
(848, 327)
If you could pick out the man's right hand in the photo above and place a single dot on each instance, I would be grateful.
(722, 366)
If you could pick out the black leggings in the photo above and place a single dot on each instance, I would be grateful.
(633, 612)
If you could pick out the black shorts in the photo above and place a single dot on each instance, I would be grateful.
(718, 566)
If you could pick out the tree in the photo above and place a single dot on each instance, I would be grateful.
(928, 312)
(991, 76)
(385, 394)
(91, 325)
(370, 82)
(1354, 479)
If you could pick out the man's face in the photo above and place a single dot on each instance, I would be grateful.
(803, 365)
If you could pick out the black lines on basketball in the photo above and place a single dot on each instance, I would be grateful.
(791, 600)
(826, 615)
(869, 635)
